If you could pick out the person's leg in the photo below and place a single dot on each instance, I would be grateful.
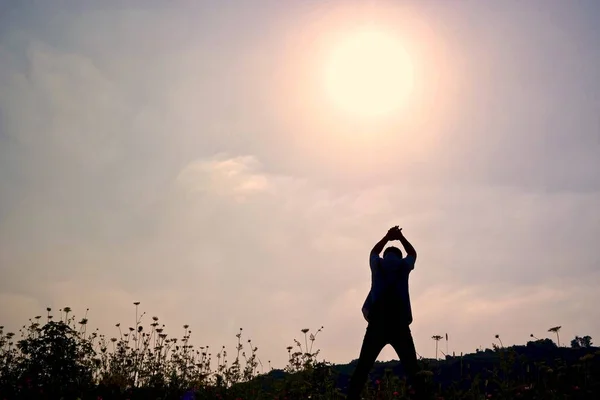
(373, 343)
(403, 344)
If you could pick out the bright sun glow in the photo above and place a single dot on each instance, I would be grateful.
(369, 74)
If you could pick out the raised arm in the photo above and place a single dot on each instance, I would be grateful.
(378, 248)
(410, 250)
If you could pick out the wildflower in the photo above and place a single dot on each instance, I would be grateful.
(396, 393)
(305, 330)
(136, 303)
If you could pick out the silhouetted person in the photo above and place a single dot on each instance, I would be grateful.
(387, 310)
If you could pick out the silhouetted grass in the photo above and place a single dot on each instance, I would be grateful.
(56, 357)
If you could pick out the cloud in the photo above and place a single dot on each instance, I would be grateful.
(233, 177)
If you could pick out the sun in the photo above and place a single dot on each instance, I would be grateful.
(369, 74)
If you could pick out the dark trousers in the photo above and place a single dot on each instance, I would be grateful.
(378, 335)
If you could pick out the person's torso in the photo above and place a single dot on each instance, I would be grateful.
(390, 290)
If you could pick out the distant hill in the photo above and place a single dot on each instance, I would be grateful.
(533, 362)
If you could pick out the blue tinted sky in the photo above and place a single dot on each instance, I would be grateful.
(184, 155)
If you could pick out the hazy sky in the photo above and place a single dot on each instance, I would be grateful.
(184, 154)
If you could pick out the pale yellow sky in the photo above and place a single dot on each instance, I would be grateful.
(189, 157)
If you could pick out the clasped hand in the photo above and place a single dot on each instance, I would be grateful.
(394, 233)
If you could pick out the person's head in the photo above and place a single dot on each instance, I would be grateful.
(392, 251)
